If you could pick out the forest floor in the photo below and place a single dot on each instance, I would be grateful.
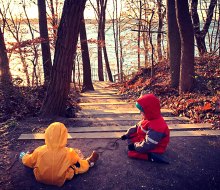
(201, 105)
(194, 160)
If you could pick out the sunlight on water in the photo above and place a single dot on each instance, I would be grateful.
(129, 52)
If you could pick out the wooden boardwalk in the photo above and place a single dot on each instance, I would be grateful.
(105, 115)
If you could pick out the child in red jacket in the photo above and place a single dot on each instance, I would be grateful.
(149, 138)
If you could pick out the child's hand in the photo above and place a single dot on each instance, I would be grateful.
(22, 155)
(77, 164)
(123, 137)
(131, 147)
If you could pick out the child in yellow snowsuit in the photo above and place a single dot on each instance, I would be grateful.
(53, 163)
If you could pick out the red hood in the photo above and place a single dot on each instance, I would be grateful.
(150, 105)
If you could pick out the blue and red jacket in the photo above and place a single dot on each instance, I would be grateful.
(151, 134)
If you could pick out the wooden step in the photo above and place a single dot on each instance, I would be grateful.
(82, 97)
(106, 112)
(115, 119)
(93, 93)
(115, 111)
(110, 135)
(101, 93)
(125, 128)
(106, 88)
(115, 114)
(103, 103)
(97, 95)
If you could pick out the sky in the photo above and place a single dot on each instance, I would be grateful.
(32, 10)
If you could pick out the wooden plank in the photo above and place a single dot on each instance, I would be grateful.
(121, 116)
(103, 103)
(116, 111)
(100, 97)
(104, 88)
(106, 112)
(98, 113)
(102, 83)
(97, 129)
(102, 119)
(195, 133)
(100, 94)
(125, 128)
(109, 135)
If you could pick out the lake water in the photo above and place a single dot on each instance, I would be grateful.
(129, 52)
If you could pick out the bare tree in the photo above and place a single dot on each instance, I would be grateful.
(45, 45)
(13, 25)
(65, 51)
(101, 45)
(99, 38)
(145, 36)
(54, 16)
(87, 78)
(187, 46)
(119, 26)
(115, 23)
(103, 15)
(34, 47)
(5, 74)
(201, 34)
(6, 85)
(151, 43)
(160, 25)
(54, 19)
(139, 32)
(174, 44)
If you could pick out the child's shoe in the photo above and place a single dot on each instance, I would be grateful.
(154, 157)
(93, 158)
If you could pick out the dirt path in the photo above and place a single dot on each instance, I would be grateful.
(194, 161)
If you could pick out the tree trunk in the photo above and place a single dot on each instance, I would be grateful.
(107, 64)
(65, 51)
(115, 31)
(145, 38)
(151, 43)
(54, 20)
(139, 33)
(200, 35)
(5, 74)
(187, 46)
(100, 63)
(45, 46)
(159, 34)
(23, 61)
(87, 78)
(174, 44)
(104, 46)
(35, 54)
(6, 85)
(121, 57)
(14, 28)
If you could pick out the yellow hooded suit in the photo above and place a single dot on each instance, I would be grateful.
(53, 163)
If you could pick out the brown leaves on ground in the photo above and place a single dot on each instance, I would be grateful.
(201, 105)
(22, 102)
(27, 101)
